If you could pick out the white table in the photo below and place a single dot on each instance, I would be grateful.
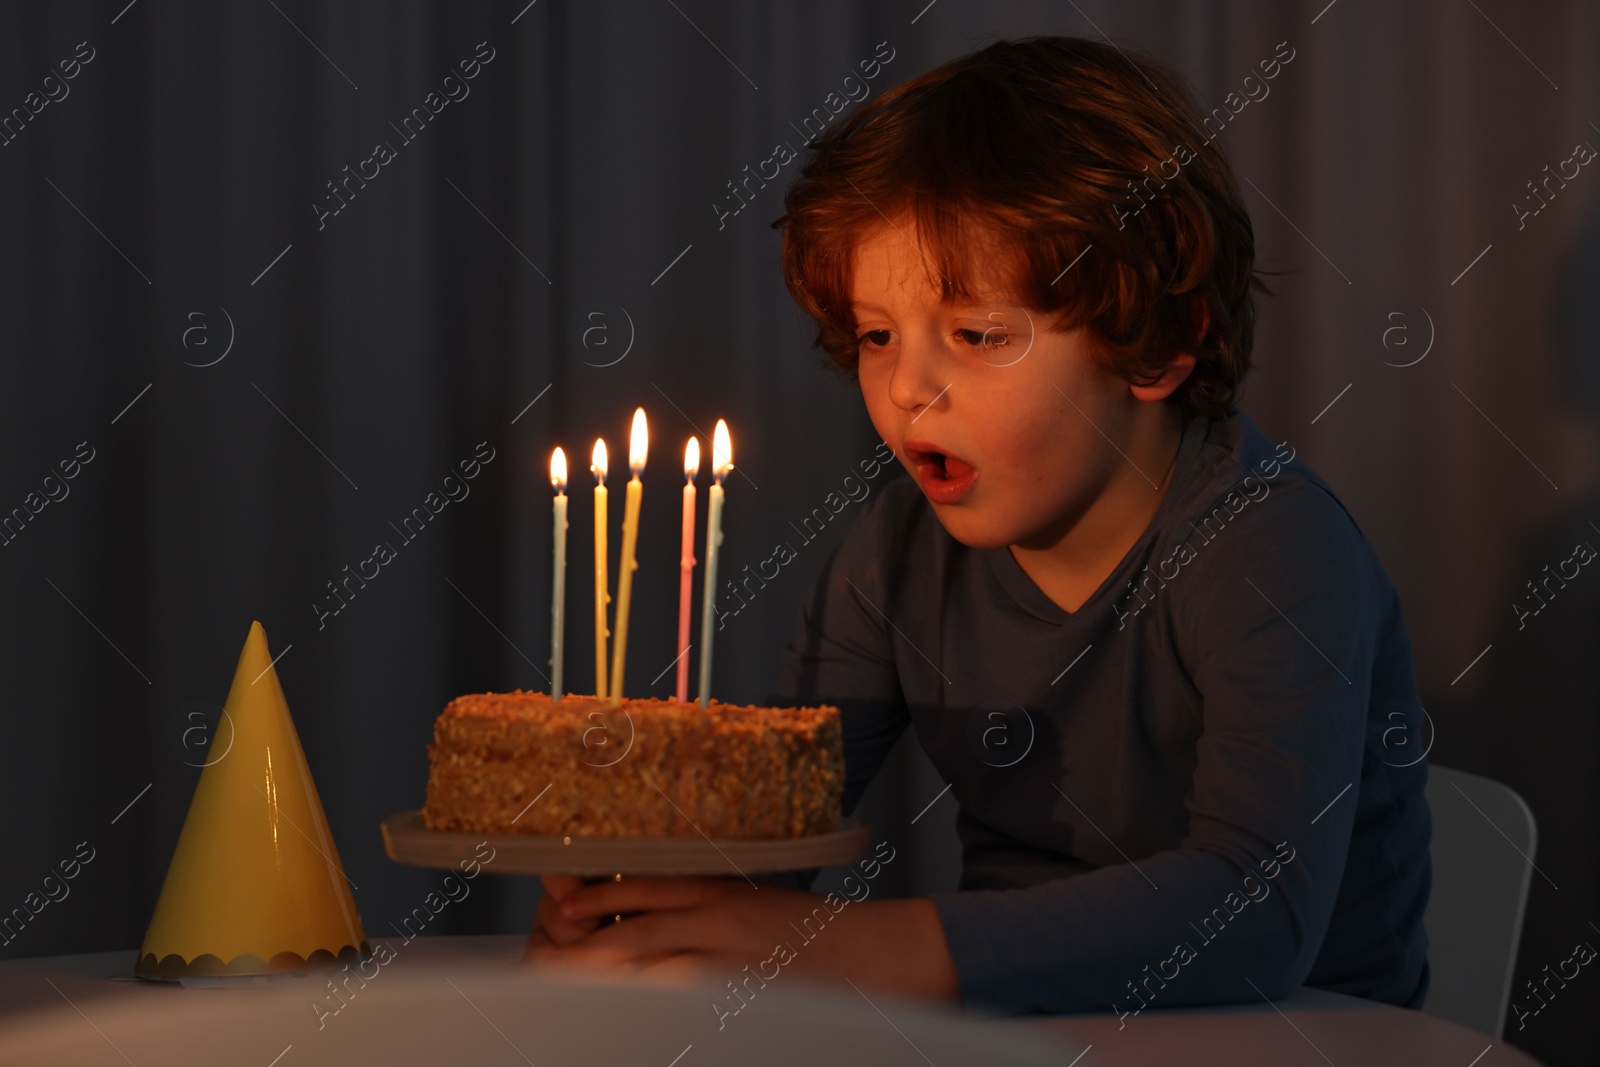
(455, 1000)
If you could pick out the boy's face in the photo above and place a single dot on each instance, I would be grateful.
(1012, 429)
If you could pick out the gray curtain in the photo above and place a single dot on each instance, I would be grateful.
(562, 207)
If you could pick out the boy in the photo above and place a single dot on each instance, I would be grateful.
(1150, 650)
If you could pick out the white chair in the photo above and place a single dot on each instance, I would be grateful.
(1484, 838)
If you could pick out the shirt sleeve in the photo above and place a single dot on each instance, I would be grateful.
(1276, 622)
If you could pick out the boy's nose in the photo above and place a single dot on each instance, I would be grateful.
(915, 384)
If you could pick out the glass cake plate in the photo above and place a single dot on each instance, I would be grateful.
(408, 841)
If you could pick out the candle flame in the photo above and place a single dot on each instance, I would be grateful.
(597, 462)
(721, 450)
(558, 469)
(638, 442)
(691, 458)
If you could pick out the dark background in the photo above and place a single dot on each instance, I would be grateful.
(456, 289)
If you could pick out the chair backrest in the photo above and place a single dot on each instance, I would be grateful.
(1484, 838)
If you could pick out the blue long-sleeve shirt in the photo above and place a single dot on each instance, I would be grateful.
(1203, 785)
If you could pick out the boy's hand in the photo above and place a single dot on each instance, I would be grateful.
(723, 925)
(549, 928)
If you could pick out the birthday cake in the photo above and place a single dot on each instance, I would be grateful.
(522, 763)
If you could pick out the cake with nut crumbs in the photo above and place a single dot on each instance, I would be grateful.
(522, 763)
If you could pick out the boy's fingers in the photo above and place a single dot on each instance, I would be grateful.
(655, 932)
(633, 894)
(560, 930)
(545, 936)
(558, 886)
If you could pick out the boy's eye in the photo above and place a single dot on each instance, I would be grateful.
(1001, 338)
(876, 338)
(990, 337)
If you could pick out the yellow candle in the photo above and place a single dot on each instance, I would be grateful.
(721, 464)
(638, 446)
(602, 592)
(558, 582)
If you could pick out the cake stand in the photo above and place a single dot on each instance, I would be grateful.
(408, 841)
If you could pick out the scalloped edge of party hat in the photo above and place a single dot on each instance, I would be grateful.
(207, 965)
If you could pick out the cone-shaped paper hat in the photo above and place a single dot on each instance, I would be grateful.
(255, 885)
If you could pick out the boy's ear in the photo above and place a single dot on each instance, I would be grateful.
(1179, 366)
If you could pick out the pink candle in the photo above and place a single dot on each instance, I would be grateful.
(691, 467)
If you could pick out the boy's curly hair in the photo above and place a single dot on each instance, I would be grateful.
(1058, 152)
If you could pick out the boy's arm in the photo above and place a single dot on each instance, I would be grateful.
(1280, 623)
(840, 655)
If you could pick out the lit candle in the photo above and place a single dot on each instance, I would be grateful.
(691, 467)
(601, 590)
(558, 582)
(638, 445)
(721, 464)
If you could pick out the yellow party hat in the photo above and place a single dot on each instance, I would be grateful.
(255, 885)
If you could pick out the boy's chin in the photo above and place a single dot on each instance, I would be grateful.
(970, 527)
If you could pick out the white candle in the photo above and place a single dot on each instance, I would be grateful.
(558, 581)
(721, 464)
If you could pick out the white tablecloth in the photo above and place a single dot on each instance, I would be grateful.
(461, 1000)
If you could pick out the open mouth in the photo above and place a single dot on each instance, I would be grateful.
(945, 477)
